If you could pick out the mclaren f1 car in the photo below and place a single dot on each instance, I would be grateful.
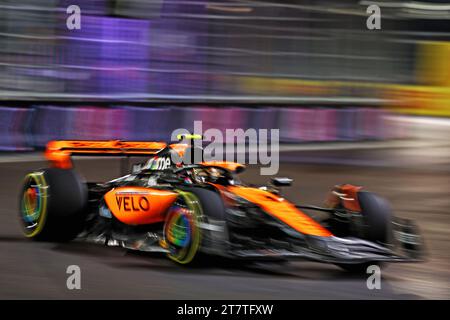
(190, 209)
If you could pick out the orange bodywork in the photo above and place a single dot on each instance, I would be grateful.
(139, 205)
(347, 195)
(281, 209)
(179, 148)
(59, 152)
(232, 166)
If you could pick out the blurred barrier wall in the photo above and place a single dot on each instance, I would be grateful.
(30, 128)
(233, 52)
(173, 50)
(14, 126)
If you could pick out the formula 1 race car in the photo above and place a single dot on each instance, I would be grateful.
(189, 209)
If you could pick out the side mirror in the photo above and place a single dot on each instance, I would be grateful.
(281, 182)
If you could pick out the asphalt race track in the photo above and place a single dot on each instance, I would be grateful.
(30, 270)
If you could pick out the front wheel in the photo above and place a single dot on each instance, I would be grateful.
(376, 226)
(182, 233)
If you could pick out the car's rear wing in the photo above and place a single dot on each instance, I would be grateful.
(59, 153)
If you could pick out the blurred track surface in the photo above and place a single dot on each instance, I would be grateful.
(38, 270)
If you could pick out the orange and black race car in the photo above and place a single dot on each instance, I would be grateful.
(187, 209)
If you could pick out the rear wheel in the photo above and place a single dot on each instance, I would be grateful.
(52, 205)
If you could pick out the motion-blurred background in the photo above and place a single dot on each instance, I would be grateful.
(353, 105)
(137, 69)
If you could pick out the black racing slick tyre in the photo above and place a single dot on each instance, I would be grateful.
(377, 216)
(377, 219)
(53, 205)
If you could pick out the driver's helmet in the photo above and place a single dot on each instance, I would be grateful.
(215, 173)
(199, 175)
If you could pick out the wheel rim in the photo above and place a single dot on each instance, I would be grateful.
(33, 204)
(179, 227)
(181, 231)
